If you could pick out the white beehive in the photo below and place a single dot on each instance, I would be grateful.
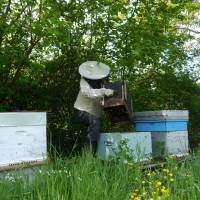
(170, 143)
(22, 138)
(139, 143)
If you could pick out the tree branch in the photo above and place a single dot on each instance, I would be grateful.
(190, 29)
(4, 20)
(23, 62)
(175, 27)
(7, 8)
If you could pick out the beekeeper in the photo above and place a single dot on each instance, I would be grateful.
(88, 106)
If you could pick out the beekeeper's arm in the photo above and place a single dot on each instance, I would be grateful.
(94, 93)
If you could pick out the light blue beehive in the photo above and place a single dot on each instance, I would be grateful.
(170, 143)
(139, 143)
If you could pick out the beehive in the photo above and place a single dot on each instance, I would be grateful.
(164, 120)
(170, 143)
(168, 130)
(22, 138)
(139, 145)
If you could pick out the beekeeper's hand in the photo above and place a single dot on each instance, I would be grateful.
(109, 92)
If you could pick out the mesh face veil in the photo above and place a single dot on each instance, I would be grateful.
(94, 70)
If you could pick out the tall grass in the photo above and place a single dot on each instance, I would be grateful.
(85, 177)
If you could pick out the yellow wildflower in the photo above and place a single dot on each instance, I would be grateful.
(153, 173)
(170, 174)
(143, 182)
(165, 191)
(162, 165)
(149, 174)
(144, 194)
(171, 180)
(166, 170)
(137, 198)
(158, 183)
(133, 194)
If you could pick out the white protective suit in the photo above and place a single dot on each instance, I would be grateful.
(89, 99)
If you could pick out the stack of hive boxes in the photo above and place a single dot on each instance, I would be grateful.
(157, 132)
(168, 130)
(119, 110)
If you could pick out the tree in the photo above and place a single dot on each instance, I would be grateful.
(43, 42)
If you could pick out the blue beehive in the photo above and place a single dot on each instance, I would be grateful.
(164, 120)
(168, 131)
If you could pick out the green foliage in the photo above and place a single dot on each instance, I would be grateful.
(108, 127)
(42, 43)
(87, 177)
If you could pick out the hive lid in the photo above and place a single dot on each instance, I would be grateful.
(162, 115)
(22, 118)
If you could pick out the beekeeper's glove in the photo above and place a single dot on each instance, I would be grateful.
(108, 92)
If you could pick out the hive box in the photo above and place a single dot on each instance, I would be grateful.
(119, 106)
(166, 125)
(164, 120)
(170, 143)
(139, 143)
(22, 138)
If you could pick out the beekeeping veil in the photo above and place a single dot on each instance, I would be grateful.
(94, 70)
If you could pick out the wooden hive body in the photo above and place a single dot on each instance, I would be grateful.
(119, 106)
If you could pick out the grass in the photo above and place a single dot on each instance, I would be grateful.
(85, 177)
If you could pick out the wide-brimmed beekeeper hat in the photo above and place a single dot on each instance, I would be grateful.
(94, 70)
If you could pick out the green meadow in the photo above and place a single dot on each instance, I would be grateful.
(85, 177)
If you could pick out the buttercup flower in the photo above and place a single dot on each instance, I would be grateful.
(170, 174)
(166, 170)
(158, 183)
